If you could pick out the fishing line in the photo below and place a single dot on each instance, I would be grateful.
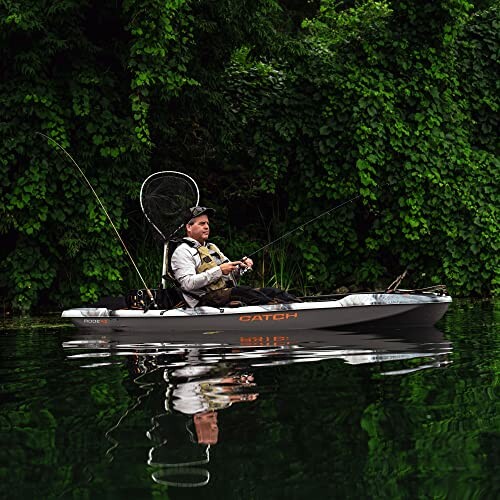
(105, 211)
(312, 220)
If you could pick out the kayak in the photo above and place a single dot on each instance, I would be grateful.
(358, 309)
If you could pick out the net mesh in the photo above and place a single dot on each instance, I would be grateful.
(165, 198)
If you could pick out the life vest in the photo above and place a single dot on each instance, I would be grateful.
(207, 255)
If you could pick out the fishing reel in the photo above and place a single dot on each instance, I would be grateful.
(242, 268)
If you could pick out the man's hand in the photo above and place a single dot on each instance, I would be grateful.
(229, 267)
(247, 262)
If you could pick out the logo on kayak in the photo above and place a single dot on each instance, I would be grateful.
(246, 318)
(96, 321)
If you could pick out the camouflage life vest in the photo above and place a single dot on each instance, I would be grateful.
(208, 253)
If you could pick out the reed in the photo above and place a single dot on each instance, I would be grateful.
(280, 267)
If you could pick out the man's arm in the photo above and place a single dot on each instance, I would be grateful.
(184, 261)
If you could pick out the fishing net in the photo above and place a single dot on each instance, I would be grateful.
(165, 198)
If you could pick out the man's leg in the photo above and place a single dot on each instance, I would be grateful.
(216, 298)
(278, 294)
(249, 296)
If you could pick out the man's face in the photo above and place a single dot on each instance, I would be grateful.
(198, 229)
(207, 430)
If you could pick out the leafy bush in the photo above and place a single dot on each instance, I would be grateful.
(266, 104)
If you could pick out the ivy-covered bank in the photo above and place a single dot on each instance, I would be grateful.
(280, 110)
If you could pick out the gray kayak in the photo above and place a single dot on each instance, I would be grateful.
(394, 309)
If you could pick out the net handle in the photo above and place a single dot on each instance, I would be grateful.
(174, 174)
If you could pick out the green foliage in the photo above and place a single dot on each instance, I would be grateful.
(68, 80)
(385, 92)
(265, 103)
(161, 35)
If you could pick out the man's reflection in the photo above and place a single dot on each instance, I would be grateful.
(198, 392)
(194, 394)
(207, 430)
(205, 423)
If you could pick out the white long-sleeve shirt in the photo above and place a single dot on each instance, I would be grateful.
(185, 260)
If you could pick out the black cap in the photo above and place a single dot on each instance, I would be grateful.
(193, 212)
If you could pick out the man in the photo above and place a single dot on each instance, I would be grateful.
(206, 276)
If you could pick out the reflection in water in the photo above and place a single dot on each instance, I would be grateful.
(201, 375)
(197, 391)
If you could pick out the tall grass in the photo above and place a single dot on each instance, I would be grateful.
(281, 267)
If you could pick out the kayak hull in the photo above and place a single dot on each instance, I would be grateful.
(353, 310)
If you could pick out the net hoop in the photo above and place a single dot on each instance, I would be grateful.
(165, 173)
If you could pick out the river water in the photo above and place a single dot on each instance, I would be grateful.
(385, 414)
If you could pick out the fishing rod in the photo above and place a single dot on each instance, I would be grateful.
(309, 222)
(150, 294)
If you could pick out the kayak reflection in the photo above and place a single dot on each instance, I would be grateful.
(200, 375)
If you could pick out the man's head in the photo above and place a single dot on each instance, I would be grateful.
(207, 430)
(198, 225)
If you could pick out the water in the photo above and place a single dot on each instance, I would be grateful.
(406, 414)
